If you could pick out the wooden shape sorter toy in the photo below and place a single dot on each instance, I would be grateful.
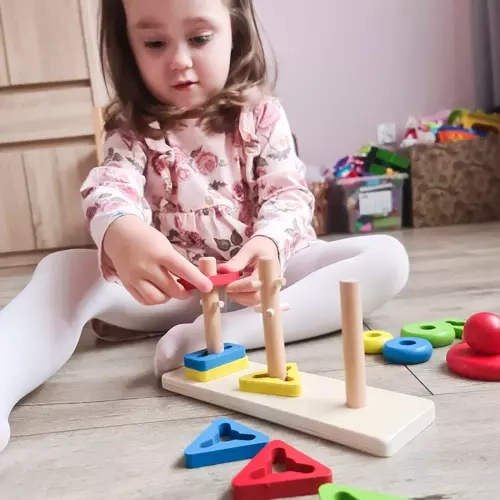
(376, 421)
(339, 492)
(218, 359)
(224, 441)
(280, 378)
(301, 476)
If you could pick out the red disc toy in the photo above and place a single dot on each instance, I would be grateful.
(464, 361)
(217, 280)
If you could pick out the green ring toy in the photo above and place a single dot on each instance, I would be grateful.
(458, 326)
(438, 333)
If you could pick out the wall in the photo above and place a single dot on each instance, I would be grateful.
(486, 31)
(346, 66)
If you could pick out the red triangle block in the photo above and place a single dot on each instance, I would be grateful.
(298, 475)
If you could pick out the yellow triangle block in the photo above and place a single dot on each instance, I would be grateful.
(261, 383)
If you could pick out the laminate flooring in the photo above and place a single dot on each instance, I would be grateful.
(103, 428)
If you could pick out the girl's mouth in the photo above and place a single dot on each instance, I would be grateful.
(184, 86)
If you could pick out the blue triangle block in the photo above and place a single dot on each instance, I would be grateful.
(224, 441)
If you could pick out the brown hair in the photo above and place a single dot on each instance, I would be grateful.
(248, 71)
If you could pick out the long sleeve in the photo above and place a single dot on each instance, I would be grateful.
(115, 188)
(285, 203)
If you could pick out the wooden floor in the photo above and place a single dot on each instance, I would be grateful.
(102, 428)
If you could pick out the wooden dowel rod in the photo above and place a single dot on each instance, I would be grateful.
(269, 276)
(211, 309)
(352, 341)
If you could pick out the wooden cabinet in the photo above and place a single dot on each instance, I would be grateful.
(4, 76)
(54, 175)
(16, 227)
(38, 114)
(44, 41)
(50, 85)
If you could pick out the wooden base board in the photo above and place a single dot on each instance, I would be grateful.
(382, 428)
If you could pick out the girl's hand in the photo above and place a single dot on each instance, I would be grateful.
(147, 264)
(246, 261)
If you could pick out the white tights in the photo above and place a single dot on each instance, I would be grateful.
(41, 327)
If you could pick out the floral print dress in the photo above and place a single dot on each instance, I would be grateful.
(208, 194)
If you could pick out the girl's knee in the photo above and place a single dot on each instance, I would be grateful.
(390, 255)
(68, 263)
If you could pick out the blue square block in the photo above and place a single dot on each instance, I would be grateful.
(224, 441)
(202, 362)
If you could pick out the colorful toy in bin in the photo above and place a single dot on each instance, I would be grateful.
(455, 134)
(477, 121)
(349, 166)
(378, 161)
(374, 203)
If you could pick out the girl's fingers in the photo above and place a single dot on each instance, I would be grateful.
(183, 268)
(151, 294)
(173, 288)
(244, 285)
(136, 294)
(166, 283)
(246, 299)
(139, 293)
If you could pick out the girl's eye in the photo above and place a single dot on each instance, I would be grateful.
(200, 40)
(155, 44)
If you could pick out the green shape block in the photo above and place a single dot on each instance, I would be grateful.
(339, 492)
(438, 333)
(385, 222)
(392, 159)
(376, 169)
(458, 326)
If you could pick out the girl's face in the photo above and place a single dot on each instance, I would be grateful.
(182, 47)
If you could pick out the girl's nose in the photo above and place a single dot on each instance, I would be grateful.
(181, 59)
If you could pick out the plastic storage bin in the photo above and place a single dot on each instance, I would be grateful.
(366, 204)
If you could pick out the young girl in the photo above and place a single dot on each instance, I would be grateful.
(200, 162)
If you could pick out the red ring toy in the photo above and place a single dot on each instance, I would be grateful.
(462, 360)
(223, 279)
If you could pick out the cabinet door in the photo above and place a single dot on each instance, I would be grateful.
(4, 77)
(40, 114)
(16, 227)
(55, 175)
(43, 41)
(91, 21)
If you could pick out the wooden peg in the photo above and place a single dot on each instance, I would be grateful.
(211, 310)
(280, 283)
(270, 312)
(269, 271)
(256, 285)
(352, 341)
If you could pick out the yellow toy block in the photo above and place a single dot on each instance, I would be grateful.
(261, 383)
(374, 341)
(220, 371)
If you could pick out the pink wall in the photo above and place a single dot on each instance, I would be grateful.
(346, 66)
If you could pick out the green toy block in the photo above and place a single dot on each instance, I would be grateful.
(378, 160)
(458, 326)
(392, 159)
(376, 169)
(339, 492)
